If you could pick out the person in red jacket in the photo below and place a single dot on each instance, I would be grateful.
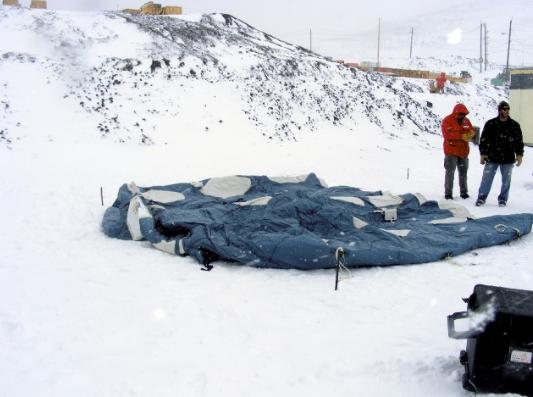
(457, 132)
(441, 80)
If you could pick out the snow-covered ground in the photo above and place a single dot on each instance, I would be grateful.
(85, 315)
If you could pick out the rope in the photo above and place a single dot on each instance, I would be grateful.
(340, 265)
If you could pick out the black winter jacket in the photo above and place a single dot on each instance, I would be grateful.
(501, 141)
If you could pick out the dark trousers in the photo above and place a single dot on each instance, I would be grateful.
(450, 164)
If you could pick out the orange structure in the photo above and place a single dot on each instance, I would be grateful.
(412, 73)
(152, 8)
(13, 3)
(38, 4)
(171, 10)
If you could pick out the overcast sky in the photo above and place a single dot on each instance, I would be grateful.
(335, 24)
(278, 17)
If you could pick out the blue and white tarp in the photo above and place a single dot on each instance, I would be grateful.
(298, 222)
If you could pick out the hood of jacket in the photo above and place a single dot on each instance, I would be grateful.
(460, 108)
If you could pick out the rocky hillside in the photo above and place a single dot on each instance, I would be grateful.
(138, 78)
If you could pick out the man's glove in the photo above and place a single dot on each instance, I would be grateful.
(467, 136)
(518, 160)
(483, 158)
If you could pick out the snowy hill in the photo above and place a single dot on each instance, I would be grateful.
(92, 100)
(140, 78)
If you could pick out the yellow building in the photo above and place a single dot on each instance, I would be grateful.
(171, 10)
(521, 101)
(38, 4)
(14, 3)
(152, 8)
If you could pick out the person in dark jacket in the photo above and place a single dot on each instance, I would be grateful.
(501, 146)
(457, 132)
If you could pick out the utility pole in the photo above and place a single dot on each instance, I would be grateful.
(507, 74)
(379, 38)
(411, 47)
(310, 40)
(486, 57)
(480, 47)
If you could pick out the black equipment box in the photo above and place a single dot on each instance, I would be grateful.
(499, 347)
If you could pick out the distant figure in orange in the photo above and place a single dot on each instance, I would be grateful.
(441, 80)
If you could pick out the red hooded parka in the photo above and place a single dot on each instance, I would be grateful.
(453, 132)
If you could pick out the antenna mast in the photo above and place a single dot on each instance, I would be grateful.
(379, 38)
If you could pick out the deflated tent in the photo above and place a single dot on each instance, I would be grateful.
(298, 222)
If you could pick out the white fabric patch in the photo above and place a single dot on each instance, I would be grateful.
(227, 186)
(163, 196)
(132, 187)
(385, 200)
(421, 199)
(294, 179)
(451, 219)
(256, 201)
(398, 232)
(143, 211)
(166, 246)
(135, 211)
(457, 210)
(349, 199)
(359, 223)
(180, 247)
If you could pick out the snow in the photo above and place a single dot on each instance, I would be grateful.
(85, 315)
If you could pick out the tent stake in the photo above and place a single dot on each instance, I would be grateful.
(339, 257)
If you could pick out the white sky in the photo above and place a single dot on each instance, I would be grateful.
(347, 29)
(288, 20)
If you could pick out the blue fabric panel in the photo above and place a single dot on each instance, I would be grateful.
(302, 226)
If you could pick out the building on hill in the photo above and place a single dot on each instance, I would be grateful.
(38, 4)
(521, 101)
(13, 3)
(152, 8)
(171, 10)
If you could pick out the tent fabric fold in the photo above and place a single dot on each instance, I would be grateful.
(299, 222)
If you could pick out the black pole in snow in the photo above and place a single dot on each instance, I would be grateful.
(102, 195)
(339, 257)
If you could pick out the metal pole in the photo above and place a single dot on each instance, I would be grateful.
(310, 40)
(411, 47)
(480, 47)
(379, 38)
(337, 267)
(339, 260)
(486, 58)
(508, 49)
